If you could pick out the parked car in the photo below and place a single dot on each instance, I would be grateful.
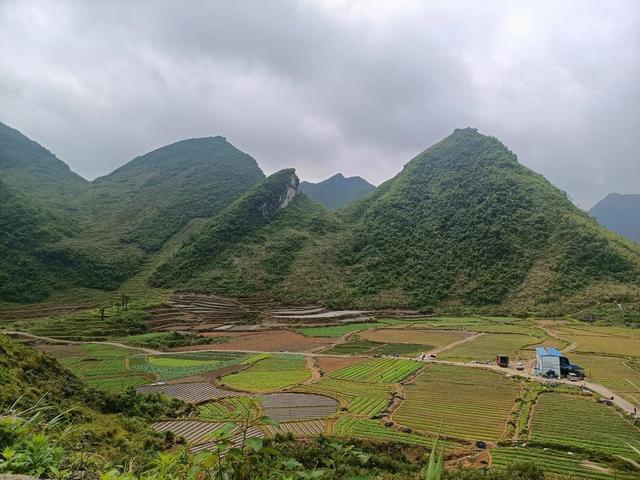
(519, 366)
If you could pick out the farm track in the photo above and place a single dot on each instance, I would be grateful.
(449, 346)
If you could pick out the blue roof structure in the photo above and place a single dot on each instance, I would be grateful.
(548, 352)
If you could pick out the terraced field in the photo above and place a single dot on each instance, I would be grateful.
(230, 410)
(270, 374)
(193, 392)
(103, 367)
(470, 403)
(309, 428)
(291, 407)
(358, 346)
(573, 465)
(358, 398)
(570, 420)
(167, 367)
(488, 345)
(381, 370)
(347, 426)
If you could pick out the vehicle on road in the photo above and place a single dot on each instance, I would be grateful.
(519, 366)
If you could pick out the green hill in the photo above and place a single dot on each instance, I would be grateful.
(620, 214)
(146, 201)
(337, 191)
(34, 171)
(464, 227)
(265, 229)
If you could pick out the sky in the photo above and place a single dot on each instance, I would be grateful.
(358, 87)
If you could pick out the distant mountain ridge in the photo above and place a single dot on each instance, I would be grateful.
(619, 213)
(337, 191)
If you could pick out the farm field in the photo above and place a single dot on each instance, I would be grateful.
(192, 392)
(601, 340)
(168, 367)
(429, 338)
(570, 420)
(330, 364)
(102, 366)
(485, 347)
(291, 407)
(615, 373)
(358, 346)
(348, 426)
(381, 370)
(270, 374)
(230, 410)
(310, 428)
(268, 341)
(573, 465)
(358, 398)
(471, 403)
(337, 330)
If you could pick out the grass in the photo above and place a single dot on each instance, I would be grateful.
(471, 403)
(361, 347)
(270, 374)
(428, 338)
(348, 426)
(487, 346)
(336, 331)
(382, 370)
(354, 347)
(578, 421)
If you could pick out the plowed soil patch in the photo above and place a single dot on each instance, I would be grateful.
(273, 341)
(330, 364)
(208, 377)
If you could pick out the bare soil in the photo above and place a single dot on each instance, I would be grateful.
(273, 341)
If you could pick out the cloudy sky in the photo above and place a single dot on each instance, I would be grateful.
(325, 86)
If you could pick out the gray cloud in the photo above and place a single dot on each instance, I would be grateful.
(326, 86)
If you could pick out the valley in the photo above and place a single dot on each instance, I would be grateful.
(205, 303)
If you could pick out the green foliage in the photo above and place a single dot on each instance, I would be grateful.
(168, 340)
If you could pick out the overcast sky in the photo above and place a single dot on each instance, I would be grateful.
(358, 87)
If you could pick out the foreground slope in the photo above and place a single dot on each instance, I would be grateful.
(619, 213)
(337, 191)
(463, 227)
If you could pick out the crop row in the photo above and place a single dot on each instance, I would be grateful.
(230, 409)
(271, 373)
(581, 422)
(465, 410)
(559, 463)
(309, 428)
(367, 405)
(382, 370)
(347, 426)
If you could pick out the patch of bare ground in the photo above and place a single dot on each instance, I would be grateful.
(59, 350)
(330, 364)
(595, 467)
(273, 341)
(312, 365)
(209, 377)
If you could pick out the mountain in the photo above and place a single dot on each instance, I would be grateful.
(266, 227)
(620, 214)
(33, 170)
(337, 191)
(146, 201)
(464, 227)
